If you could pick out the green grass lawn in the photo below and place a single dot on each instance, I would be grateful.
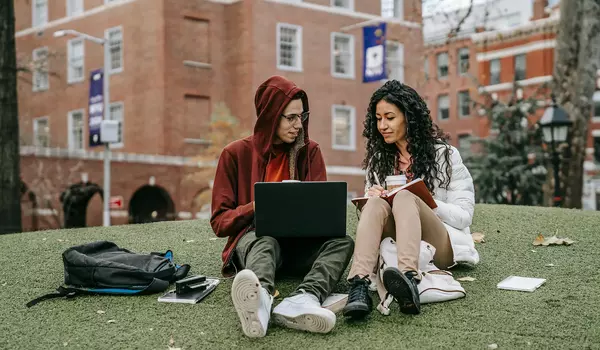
(563, 313)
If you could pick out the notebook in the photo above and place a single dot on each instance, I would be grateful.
(417, 187)
(335, 302)
(190, 298)
(524, 284)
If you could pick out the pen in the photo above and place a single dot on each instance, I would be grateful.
(376, 179)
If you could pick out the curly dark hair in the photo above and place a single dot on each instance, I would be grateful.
(422, 137)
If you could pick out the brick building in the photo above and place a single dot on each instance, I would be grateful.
(172, 64)
(497, 57)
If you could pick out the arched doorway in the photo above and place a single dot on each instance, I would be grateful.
(151, 204)
(29, 206)
(75, 201)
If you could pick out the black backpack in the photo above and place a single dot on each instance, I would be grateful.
(103, 268)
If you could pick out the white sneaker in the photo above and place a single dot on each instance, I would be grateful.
(252, 303)
(304, 312)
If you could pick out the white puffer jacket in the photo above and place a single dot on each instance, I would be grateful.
(455, 205)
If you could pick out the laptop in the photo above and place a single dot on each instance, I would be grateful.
(300, 209)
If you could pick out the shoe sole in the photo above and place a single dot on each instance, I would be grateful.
(356, 311)
(245, 293)
(310, 322)
(398, 285)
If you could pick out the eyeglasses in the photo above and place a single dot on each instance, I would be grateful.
(291, 118)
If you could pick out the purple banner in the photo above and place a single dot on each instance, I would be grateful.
(374, 56)
(95, 107)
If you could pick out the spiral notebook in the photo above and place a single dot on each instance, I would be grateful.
(417, 187)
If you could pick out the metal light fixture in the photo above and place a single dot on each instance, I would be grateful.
(555, 124)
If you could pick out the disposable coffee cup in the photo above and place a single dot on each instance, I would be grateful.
(394, 181)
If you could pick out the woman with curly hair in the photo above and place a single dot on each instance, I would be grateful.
(402, 139)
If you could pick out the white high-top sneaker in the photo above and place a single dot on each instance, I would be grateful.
(252, 303)
(304, 312)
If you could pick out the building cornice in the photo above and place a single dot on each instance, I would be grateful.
(546, 25)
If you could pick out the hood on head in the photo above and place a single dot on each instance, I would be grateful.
(270, 101)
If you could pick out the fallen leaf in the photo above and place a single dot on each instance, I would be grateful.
(540, 240)
(172, 344)
(534, 251)
(43, 239)
(100, 312)
(189, 241)
(111, 321)
(4, 284)
(212, 239)
(466, 279)
(151, 329)
(549, 265)
(276, 294)
(65, 343)
(201, 333)
(478, 237)
(493, 346)
(60, 240)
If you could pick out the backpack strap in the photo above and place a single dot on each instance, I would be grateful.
(156, 286)
(59, 293)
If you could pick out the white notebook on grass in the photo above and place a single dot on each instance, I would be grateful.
(524, 284)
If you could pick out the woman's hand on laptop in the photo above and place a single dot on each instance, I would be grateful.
(376, 191)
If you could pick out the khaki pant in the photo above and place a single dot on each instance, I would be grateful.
(408, 221)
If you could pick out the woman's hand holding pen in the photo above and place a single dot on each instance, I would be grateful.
(376, 191)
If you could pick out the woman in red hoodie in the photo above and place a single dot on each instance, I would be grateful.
(279, 149)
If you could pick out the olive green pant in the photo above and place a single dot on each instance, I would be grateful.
(320, 261)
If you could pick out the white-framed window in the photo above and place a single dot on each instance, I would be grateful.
(346, 4)
(520, 67)
(442, 65)
(463, 61)
(41, 132)
(392, 9)
(40, 69)
(464, 100)
(74, 7)
(75, 60)
(289, 47)
(342, 55)
(443, 107)
(395, 60)
(117, 112)
(596, 110)
(115, 41)
(343, 126)
(39, 12)
(495, 71)
(75, 128)
(596, 148)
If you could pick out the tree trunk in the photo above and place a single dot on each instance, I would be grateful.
(578, 50)
(10, 181)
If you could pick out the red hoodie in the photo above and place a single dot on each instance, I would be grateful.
(243, 163)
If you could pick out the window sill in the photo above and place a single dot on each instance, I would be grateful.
(289, 69)
(343, 76)
(343, 148)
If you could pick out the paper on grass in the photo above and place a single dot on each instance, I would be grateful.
(524, 284)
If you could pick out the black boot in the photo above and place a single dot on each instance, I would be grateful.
(404, 288)
(359, 303)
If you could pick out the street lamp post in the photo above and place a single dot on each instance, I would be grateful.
(106, 110)
(555, 125)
